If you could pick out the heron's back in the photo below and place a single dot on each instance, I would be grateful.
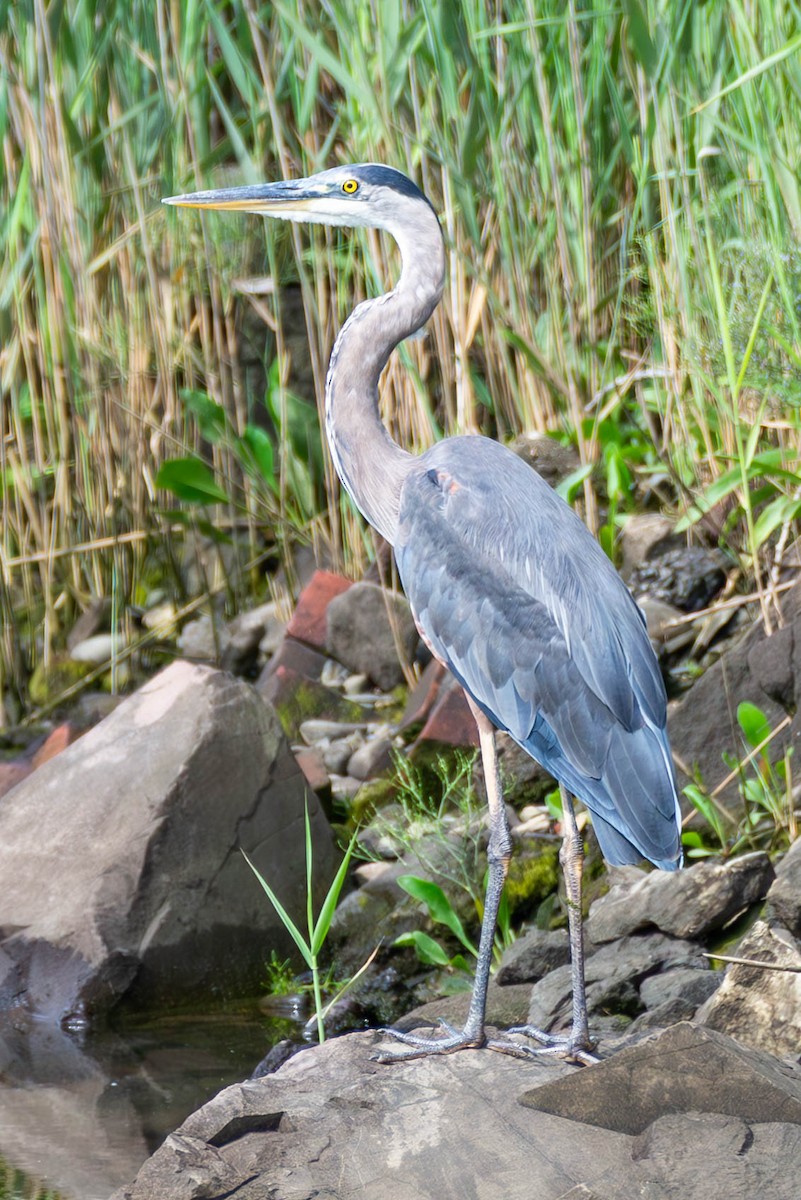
(518, 599)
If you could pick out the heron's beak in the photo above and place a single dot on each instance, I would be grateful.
(272, 199)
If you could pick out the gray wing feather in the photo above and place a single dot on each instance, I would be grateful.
(514, 594)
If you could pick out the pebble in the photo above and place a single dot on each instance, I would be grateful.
(314, 730)
(343, 787)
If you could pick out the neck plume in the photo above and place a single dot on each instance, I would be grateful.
(371, 466)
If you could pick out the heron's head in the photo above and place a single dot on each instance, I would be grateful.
(367, 194)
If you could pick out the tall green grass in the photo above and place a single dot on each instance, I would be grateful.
(619, 193)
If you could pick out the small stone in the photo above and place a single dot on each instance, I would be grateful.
(354, 684)
(367, 627)
(197, 640)
(245, 635)
(645, 536)
(312, 765)
(315, 730)
(98, 649)
(371, 759)
(161, 618)
(309, 620)
(338, 753)
(343, 787)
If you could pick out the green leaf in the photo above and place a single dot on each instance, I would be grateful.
(329, 904)
(190, 479)
(639, 36)
(428, 951)
(753, 722)
(287, 922)
(209, 415)
(258, 450)
(438, 905)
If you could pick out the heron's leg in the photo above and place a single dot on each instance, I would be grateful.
(577, 1044)
(499, 852)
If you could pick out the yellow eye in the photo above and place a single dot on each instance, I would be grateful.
(350, 186)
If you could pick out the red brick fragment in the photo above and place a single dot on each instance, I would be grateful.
(308, 622)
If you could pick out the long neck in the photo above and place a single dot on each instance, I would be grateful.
(371, 466)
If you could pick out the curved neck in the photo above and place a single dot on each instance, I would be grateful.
(371, 466)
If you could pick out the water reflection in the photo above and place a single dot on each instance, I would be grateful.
(81, 1117)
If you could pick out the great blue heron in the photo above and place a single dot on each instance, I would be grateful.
(507, 586)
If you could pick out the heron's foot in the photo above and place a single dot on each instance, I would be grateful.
(573, 1047)
(420, 1045)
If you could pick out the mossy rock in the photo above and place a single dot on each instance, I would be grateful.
(310, 700)
(50, 681)
(533, 875)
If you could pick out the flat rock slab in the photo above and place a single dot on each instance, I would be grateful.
(334, 1125)
(686, 1068)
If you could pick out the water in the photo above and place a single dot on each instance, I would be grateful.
(79, 1119)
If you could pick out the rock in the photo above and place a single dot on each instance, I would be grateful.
(298, 697)
(688, 577)
(61, 737)
(423, 697)
(312, 765)
(683, 1069)
(533, 955)
(133, 883)
(371, 759)
(613, 975)
(703, 725)
(309, 620)
(293, 656)
(760, 1007)
(203, 640)
(666, 637)
(784, 897)
(247, 633)
(691, 984)
(367, 627)
(333, 1123)
(338, 753)
(687, 904)
(12, 773)
(549, 458)
(98, 649)
(645, 536)
(449, 723)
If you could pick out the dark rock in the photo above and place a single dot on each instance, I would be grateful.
(293, 656)
(770, 662)
(612, 973)
(687, 904)
(684, 1069)
(784, 897)
(297, 697)
(367, 629)
(130, 842)
(759, 1006)
(533, 955)
(309, 620)
(246, 634)
(703, 726)
(688, 577)
(693, 984)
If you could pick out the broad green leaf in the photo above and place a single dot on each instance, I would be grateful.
(783, 508)
(190, 479)
(428, 951)
(438, 905)
(258, 448)
(209, 415)
(753, 722)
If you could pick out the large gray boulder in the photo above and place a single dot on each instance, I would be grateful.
(692, 1117)
(120, 864)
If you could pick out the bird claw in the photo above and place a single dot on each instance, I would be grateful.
(420, 1045)
(556, 1045)
(553, 1045)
